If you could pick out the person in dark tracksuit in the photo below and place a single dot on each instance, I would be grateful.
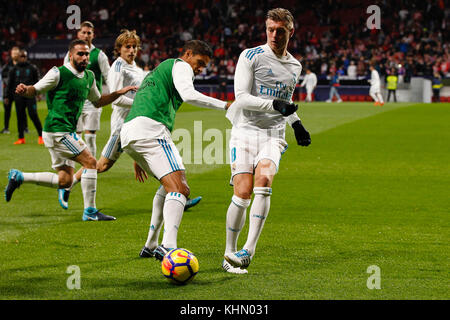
(27, 73)
(7, 101)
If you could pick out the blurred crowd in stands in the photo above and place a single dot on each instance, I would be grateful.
(331, 35)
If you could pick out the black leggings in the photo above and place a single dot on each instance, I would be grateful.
(8, 108)
(23, 104)
(389, 95)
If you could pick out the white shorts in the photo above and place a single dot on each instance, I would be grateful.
(112, 149)
(89, 120)
(158, 157)
(248, 148)
(374, 90)
(63, 147)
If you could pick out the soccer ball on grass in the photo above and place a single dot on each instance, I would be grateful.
(179, 266)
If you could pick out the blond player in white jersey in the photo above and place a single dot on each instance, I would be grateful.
(89, 120)
(265, 81)
(375, 90)
(310, 82)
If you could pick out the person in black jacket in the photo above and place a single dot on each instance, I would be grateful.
(27, 73)
(7, 101)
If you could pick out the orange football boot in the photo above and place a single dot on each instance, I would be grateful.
(20, 141)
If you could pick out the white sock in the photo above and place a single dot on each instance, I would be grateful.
(157, 218)
(380, 98)
(173, 212)
(46, 179)
(374, 97)
(89, 187)
(258, 214)
(236, 216)
(90, 142)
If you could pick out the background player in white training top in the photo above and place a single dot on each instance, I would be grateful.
(375, 90)
(265, 81)
(310, 82)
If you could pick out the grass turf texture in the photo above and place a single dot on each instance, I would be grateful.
(372, 189)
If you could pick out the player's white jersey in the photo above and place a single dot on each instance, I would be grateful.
(122, 74)
(310, 80)
(260, 78)
(375, 80)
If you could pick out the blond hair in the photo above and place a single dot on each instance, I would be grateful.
(124, 36)
(87, 24)
(280, 14)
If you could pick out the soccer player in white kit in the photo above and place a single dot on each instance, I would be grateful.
(375, 91)
(89, 120)
(310, 82)
(265, 81)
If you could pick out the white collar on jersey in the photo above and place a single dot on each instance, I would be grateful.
(126, 63)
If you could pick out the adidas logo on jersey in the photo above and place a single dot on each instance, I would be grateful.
(270, 72)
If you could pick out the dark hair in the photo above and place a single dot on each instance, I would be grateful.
(198, 47)
(76, 42)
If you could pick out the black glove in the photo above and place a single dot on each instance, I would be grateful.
(284, 108)
(301, 135)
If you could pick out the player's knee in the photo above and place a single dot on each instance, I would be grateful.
(90, 163)
(263, 181)
(243, 191)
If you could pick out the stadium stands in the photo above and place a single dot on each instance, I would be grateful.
(329, 34)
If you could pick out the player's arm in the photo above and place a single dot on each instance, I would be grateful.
(243, 83)
(182, 75)
(115, 82)
(103, 64)
(303, 82)
(139, 173)
(47, 83)
(105, 99)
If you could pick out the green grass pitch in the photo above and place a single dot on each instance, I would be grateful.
(372, 189)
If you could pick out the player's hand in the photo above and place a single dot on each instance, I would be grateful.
(228, 105)
(127, 88)
(6, 101)
(301, 135)
(284, 108)
(21, 89)
(139, 173)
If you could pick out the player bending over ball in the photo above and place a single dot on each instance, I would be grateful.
(67, 88)
(146, 137)
(265, 80)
